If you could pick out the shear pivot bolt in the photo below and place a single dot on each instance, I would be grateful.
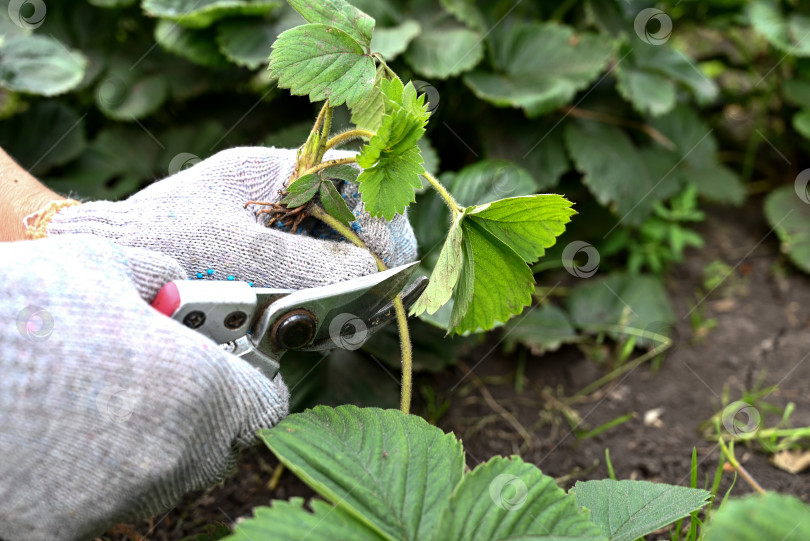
(194, 319)
(295, 331)
(236, 319)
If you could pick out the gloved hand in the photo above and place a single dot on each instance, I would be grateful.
(109, 411)
(197, 217)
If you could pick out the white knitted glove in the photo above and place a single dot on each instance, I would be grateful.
(109, 411)
(197, 217)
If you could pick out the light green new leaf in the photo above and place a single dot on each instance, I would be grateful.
(506, 498)
(291, 521)
(392, 41)
(539, 67)
(39, 65)
(334, 204)
(627, 510)
(442, 52)
(391, 471)
(301, 190)
(788, 212)
(528, 224)
(759, 517)
(502, 282)
(337, 14)
(445, 274)
(398, 134)
(342, 172)
(199, 46)
(202, 13)
(324, 62)
(540, 329)
(389, 187)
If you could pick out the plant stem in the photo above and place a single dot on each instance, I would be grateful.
(346, 136)
(330, 163)
(327, 127)
(623, 122)
(399, 307)
(321, 114)
(729, 454)
(448, 199)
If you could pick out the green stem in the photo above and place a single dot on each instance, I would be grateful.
(327, 127)
(729, 454)
(329, 163)
(321, 114)
(348, 135)
(399, 307)
(448, 199)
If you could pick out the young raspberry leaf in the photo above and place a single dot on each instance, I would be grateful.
(324, 62)
(342, 172)
(502, 282)
(338, 14)
(301, 190)
(528, 224)
(334, 204)
(388, 187)
(445, 274)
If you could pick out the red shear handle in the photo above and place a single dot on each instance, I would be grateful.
(167, 300)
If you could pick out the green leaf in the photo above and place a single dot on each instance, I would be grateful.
(247, 41)
(627, 510)
(334, 204)
(291, 521)
(761, 516)
(301, 190)
(46, 135)
(785, 32)
(650, 93)
(463, 294)
(342, 172)
(202, 13)
(445, 51)
(398, 134)
(368, 113)
(445, 274)
(540, 329)
(388, 187)
(674, 66)
(324, 62)
(337, 14)
(506, 498)
(538, 147)
(39, 65)
(488, 180)
(801, 121)
(788, 212)
(128, 95)
(392, 41)
(502, 282)
(527, 224)
(539, 67)
(467, 12)
(199, 46)
(621, 299)
(378, 465)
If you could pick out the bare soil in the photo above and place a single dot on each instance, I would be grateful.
(762, 331)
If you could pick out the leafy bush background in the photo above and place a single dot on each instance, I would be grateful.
(102, 97)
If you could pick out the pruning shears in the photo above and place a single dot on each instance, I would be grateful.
(260, 324)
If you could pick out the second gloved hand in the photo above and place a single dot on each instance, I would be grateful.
(197, 217)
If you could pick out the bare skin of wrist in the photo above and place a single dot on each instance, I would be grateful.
(20, 195)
